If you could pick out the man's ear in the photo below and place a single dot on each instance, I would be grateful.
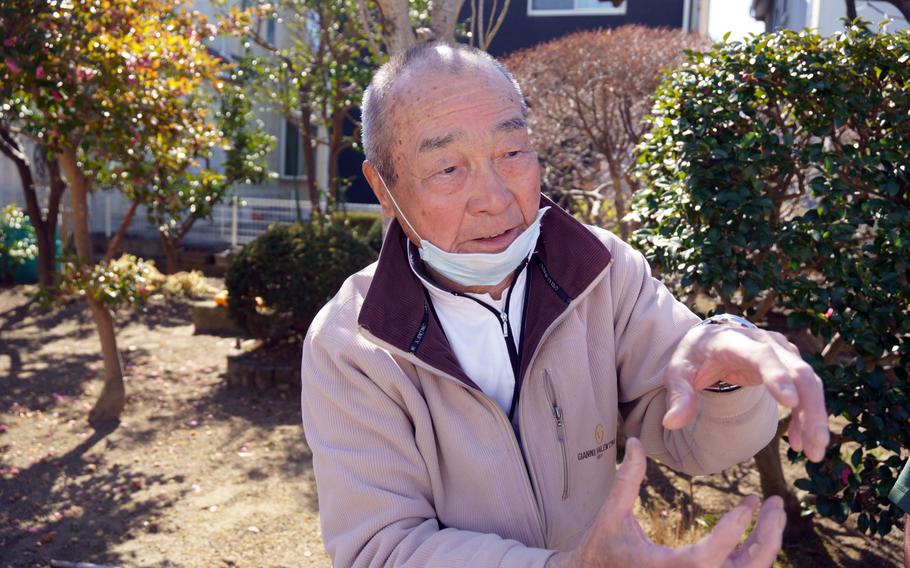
(379, 191)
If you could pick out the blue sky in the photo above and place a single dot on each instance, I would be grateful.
(732, 16)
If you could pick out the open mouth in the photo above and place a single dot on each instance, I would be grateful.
(491, 237)
(498, 240)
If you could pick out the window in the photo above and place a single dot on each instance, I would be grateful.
(292, 164)
(270, 30)
(576, 7)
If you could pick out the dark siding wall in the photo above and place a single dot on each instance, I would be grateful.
(519, 30)
(349, 166)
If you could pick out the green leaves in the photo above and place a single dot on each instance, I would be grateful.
(18, 243)
(794, 160)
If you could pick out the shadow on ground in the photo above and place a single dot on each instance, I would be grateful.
(124, 495)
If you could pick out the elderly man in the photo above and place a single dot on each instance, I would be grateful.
(463, 396)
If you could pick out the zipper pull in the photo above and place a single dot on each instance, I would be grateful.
(505, 323)
(557, 413)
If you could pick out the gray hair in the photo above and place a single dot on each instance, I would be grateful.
(375, 108)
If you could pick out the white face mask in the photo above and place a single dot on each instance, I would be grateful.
(476, 268)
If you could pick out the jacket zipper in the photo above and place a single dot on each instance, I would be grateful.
(521, 423)
(530, 484)
(497, 411)
(560, 432)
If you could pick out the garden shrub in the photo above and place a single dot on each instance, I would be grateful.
(358, 222)
(18, 243)
(192, 284)
(374, 236)
(775, 178)
(126, 282)
(295, 269)
(589, 92)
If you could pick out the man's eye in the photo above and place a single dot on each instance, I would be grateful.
(448, 171)
(513, 154)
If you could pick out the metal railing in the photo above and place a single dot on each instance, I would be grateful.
(235, 222)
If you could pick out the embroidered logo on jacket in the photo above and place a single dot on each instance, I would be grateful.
(600, 447)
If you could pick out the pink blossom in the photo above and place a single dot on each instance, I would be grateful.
(39, 72)
(829, 313)
(11, 65)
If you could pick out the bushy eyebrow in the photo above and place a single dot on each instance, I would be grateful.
(439, 142)
(511, 124)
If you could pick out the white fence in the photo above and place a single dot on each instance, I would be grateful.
(236, 222)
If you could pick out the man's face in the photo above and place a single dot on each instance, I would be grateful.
(468, 177)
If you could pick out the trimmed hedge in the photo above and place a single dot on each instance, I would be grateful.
(295, 270)
(776, 176)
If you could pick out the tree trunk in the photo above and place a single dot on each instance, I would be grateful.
(58, 188)
(903, 6)
(113, 396)
(110, 403)
(170, 253)
(619, 202)
(773, 482)
(397, 33)
(44, 229)
(851, 9)
(443, 18)
(308, 142)
(113, 246)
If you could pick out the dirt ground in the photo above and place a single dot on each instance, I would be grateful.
(199, 474)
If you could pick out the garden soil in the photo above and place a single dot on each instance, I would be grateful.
(200, 474)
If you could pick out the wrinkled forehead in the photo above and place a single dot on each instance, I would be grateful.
(437, 76)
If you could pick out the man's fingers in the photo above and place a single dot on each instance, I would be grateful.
(760, 549)
(794, 432)
(761, 361)
(681, 403)
(722, 541)
(808, 429)
(621, 499)
(813, 417)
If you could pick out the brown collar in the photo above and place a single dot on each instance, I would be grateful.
(397, 311)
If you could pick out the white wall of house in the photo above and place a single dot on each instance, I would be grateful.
(824, 16)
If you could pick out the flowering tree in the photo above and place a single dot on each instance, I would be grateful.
(92, 83)
(589, 93)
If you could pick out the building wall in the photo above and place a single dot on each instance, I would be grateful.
(826, 16)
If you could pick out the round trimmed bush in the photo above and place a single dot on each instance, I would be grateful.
(295, 270)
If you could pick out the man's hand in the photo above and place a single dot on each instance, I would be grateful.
(747, 357)
(616, 538)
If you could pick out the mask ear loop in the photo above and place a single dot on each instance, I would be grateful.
(395, 203)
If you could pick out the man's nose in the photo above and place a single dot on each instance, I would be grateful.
(490, 193)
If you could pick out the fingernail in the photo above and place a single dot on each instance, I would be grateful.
(745, 517)
(787, 391)
(753, 550)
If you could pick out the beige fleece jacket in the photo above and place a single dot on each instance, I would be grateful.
(416, 466)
